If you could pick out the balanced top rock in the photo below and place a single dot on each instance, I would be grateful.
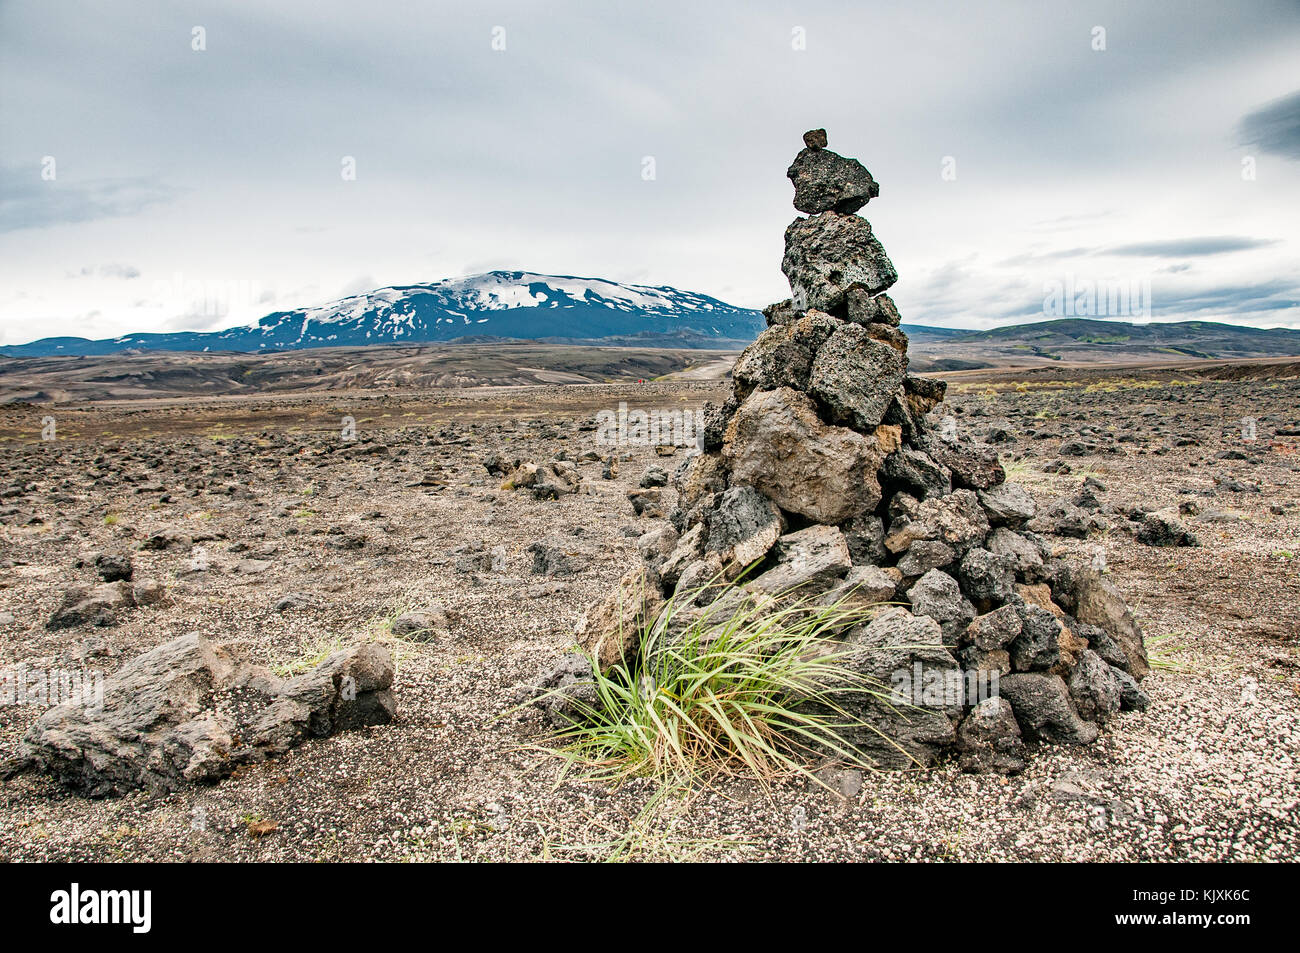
(823, 472)
(826, 182)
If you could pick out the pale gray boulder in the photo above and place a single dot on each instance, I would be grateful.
(193, 711)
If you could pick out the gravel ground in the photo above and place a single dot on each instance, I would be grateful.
(1209, 772)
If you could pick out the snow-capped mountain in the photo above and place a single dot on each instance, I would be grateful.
(498, 304)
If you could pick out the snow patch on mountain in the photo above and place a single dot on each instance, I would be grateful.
(504, 304)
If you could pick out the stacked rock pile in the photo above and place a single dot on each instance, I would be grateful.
(826, 472)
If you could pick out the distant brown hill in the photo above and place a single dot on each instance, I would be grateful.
(130, 375)
(1088, 341)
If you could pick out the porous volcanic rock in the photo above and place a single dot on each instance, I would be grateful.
(193, 711)
(823, 475)
(777, 444)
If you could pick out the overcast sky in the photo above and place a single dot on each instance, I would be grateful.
(1171, 156)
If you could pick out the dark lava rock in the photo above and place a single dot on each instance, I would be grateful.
(827, 182)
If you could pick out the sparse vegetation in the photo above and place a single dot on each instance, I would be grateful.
(755, 691)
(1163, 652)
(310, 655)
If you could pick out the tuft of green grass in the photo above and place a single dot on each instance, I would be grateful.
(745, 687)
(1161, 653)
(310, 655)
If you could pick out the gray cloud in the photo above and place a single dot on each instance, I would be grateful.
(1275, 127)
(109, 270)
(1264, 298)
(1190, 247)
(227, 161)
(1031, 258)
(28, 201)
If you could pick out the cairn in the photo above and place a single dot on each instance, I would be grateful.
(827, 471)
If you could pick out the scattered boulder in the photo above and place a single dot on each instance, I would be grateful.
(611, 632)
(422, 625)
(653, 477)
(167, 539)
(99, 605)
(1041, 704)
(807, 561)
(114, 567)
(1165, 529)
(567, 691)
(989, 741)
(500, 464)
(776, 444)
(547, 481)
(937, 595)
(295, 600)
(555, 556)
(192, 711)
(148, 592)
(647, 503)
(1094, 689)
